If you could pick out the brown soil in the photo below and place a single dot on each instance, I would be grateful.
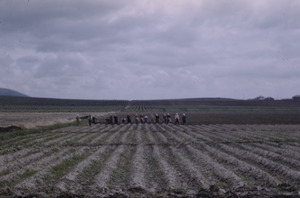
(152, 160)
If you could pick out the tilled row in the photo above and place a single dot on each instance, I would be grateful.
(153, 159)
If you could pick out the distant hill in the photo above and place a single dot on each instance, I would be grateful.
(9, 92)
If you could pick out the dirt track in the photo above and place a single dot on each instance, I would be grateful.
(152, 160)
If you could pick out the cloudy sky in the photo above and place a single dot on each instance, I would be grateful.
(150, 49)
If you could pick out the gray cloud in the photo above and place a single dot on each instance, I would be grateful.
(138, 49)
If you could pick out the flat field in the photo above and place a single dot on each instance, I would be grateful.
(228, 148)
(28, 120)
(150, 160)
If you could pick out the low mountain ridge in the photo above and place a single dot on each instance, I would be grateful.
(9, 92)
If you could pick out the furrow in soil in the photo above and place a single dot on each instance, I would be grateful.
(138, 179)
(273, 168)
(69, 181)
(52, 157)
(252, 174)
(103, 177)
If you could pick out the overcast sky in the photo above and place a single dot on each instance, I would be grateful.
(150, 49)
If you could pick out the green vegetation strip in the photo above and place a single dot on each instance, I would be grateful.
(24, 132)
(153, 170)
(91, 138)
(90, 171)
(122, 171)
(19, 178)
(70, 142)
(60, 170)
(5, 172)
(130, 137)
(104, 138)
(65, 166)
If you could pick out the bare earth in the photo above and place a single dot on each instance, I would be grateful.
(30, 120)
(150, 160)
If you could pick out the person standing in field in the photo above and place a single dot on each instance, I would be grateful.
(183, 118)
(165, 118)
(77, 120)
(106, 120)
(177, 118)
(152, 118)
(146, 119)
(169, 119)
(157, 118)
(94, 118)
(136, 118)
(142, 118)
(90, 120)
(110, 119)
(115, 119)
(128, 119)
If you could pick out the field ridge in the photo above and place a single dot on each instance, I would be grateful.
(153, 159)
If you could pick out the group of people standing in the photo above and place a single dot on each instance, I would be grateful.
(138, 118)
(141, 118)
(112, 119)
(91, 119)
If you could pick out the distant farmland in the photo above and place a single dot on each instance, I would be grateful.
(28, 104)
(217, 105)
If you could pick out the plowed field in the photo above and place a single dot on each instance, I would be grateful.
(154, 160)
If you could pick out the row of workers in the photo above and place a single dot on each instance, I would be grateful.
(141, 118)
(138, 118)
